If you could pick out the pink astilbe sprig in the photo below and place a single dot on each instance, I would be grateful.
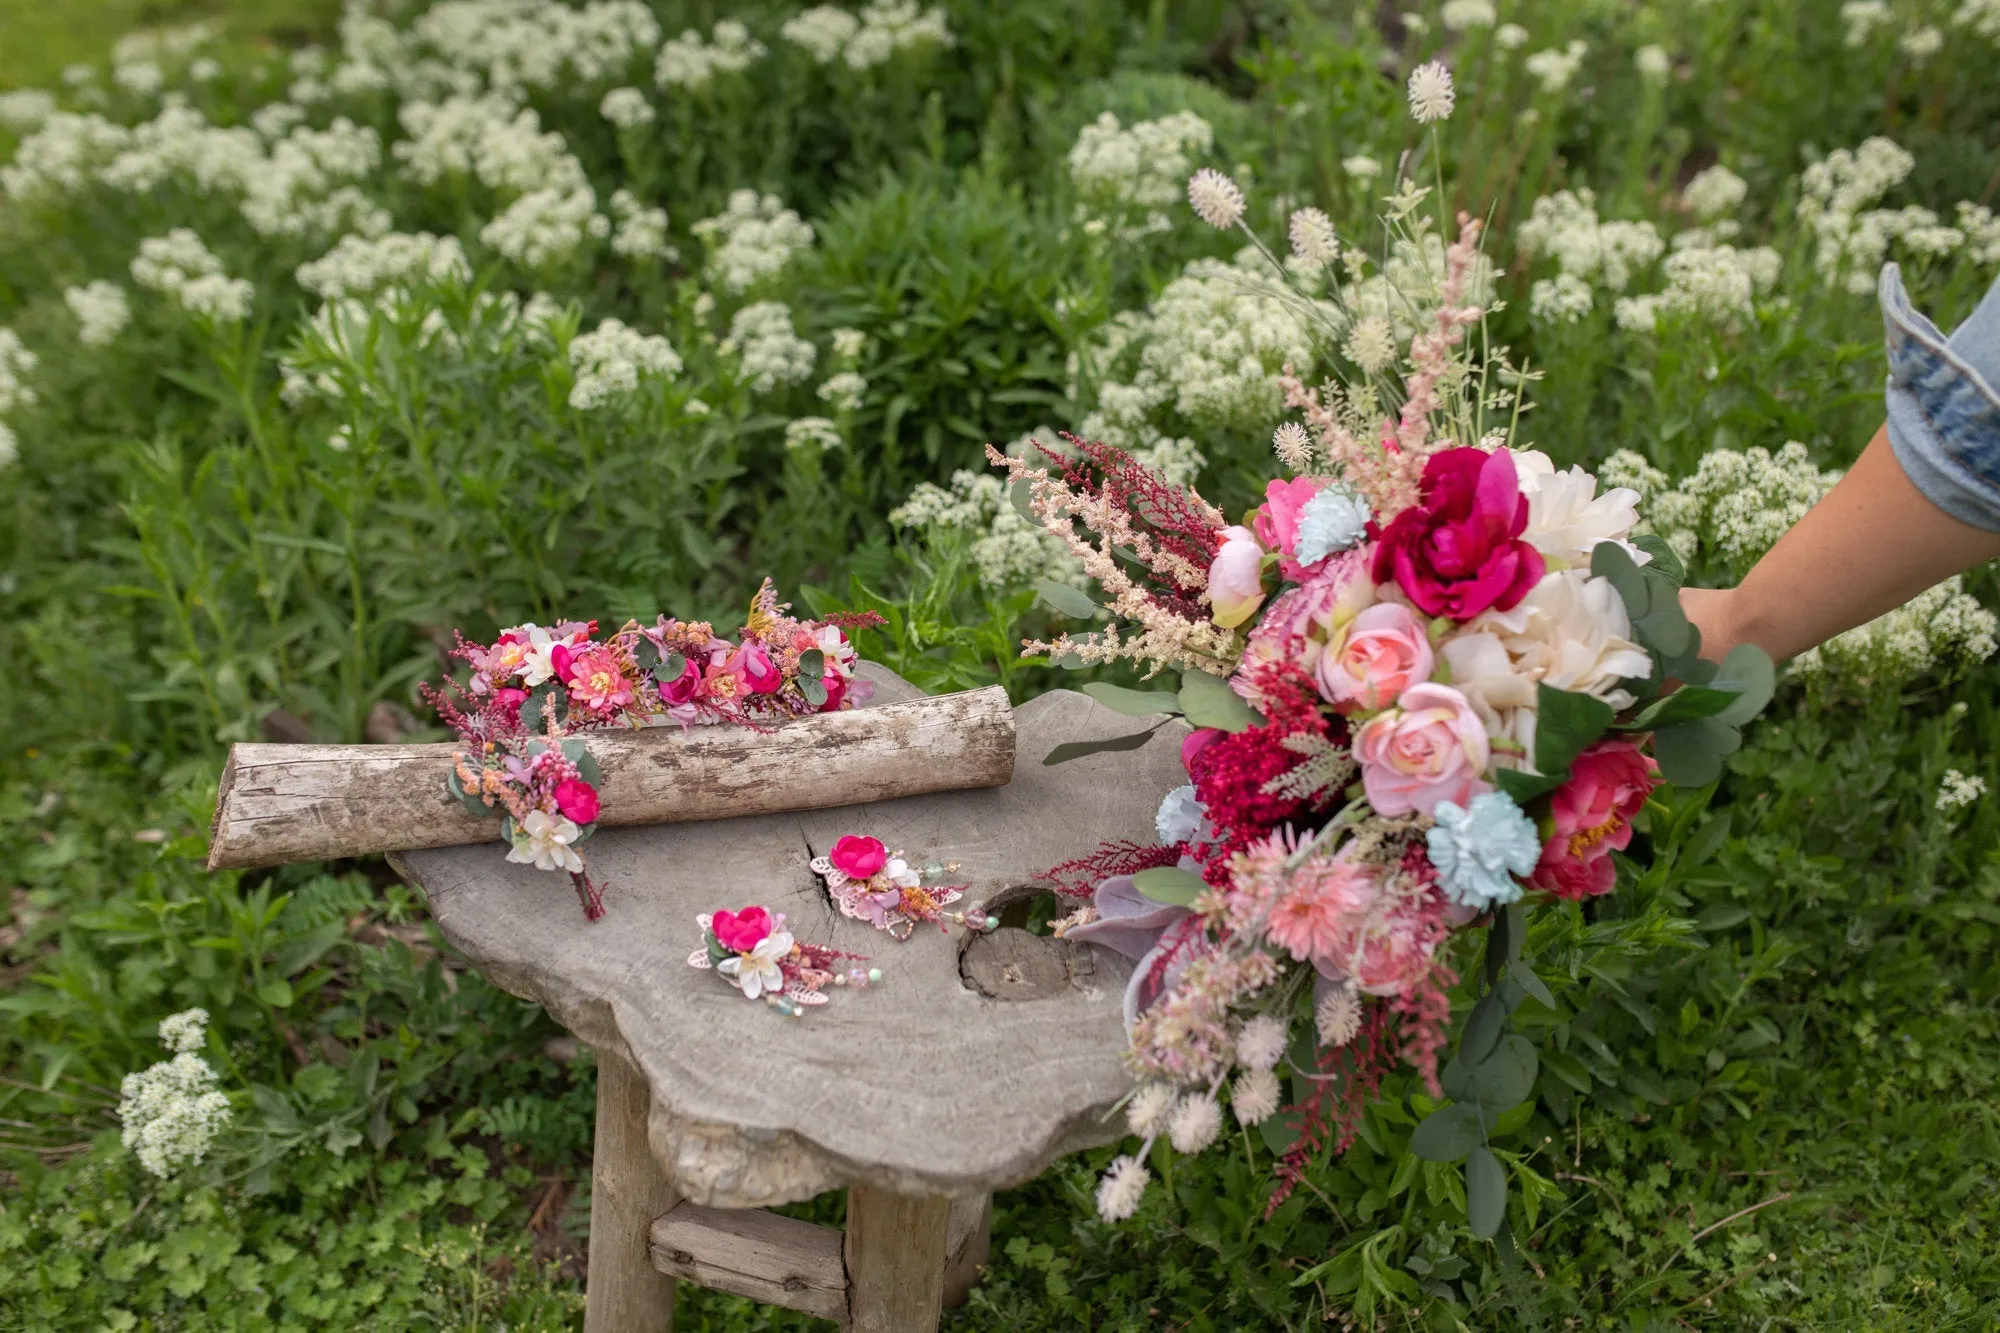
(1431, 352)
(1171, 541)
(1080, 876)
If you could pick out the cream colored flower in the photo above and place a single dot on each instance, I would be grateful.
(1570, 631)
(757, 972)
(1567, 518)
(544, 843)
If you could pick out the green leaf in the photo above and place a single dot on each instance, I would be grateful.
(1665, 559)
(1567, 1068)
(1525, 787)
(1134, 703)
(1485, 1193)
(1644, 1084)
(1448, 1134)
(1021, 496)
(587, 768)
(1686, 704)
(1207, 701)
(646, 654)
(1279, 1133)
(1170, 884)
(1483, 1029)
(1721, 916)
(1065, 600)
(812, 664)
(1707, 840)
(1566, 725)
(1691, 753)
(1748, 671)
(544, 697)
(1506, 1078)
(277, 993)
(1524, 976)
(1069, 750)
(672, 668)
(471, 802)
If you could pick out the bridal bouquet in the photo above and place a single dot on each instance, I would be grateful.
(1429, 681)
(535, 689)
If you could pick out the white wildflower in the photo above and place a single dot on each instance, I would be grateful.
(771, 354)
(1862, 18)
(1920, 44)
(848, 344)
(1713, 192)
(812, 434)
(365, 266)
(1215, 198)
(1361, 167)
(487, 137)
(753, 239)
(1563, 299)
(1255, 1096)
(1431, 93)
(102, 312)
(180, 266)
(1940, 625)
(546, 226)
(883, 29)
(1653, 62)
(1371, 346)
(641, 231)
(1737, 504)
(1556, 68)
(1565, 227)
(1149, 1108)
(141, 78)
(308, 186)
(1293, 445)
(1338, 1015)
(611, 360)
(24, 109)
(179, 143)
(15, 362)
(185, 1031)
(691, 63)
(1957, 791)
(823, 31)
(1196, 1120)
(843, 391)
(275, 120)
(10, 445)
(1510, 36)
(172, 1111)
(1119, 1192)
(1261, 1043)
(1982, 17)
(1459, 15)
(626, 108)
(1313, 238)
(1132, 176)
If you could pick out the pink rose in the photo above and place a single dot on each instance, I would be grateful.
(1430, 747)
(683, 688)
(1384, 651)
(1196, 741)
(1277, 524)
(509, 700)
(1236, 578)
(754, 665)
(858, 857)
(740, 932)
(836, 690)
(1297, 624)
(577, 800)
(1608, 784)
(1459, 550)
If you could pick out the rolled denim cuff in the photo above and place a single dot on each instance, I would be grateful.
(1944, 413)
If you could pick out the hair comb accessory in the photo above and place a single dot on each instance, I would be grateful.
(868, 882)
(753, 951)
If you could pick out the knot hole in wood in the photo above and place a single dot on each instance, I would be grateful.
(1012, 964)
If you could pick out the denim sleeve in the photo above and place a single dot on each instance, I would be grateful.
(1944, 409)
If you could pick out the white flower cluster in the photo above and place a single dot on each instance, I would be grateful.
(486, 137)
(754, 238)
(883, 29)
(307, 189)
(626, 108)
(812, 434)
(63, 155)
(1981, 17)
(513, 45)
(364, 266)
(546, 226)
(172, 1111)
(1982, 233)
(102, 312)
(1957, 791)
(180, 266)
(1460, 15)
(1008, 550)
(771, 354)
(180, 143)
(1737, 504)
(24, 109)
(1565, 227)
(1942, 624)
(1834, 196)
(1653, 62)
(1861, 18)
(15, 361)
(610, 360)
(1714, 192)
(1715, 283)
(1563, 299)
(843, 391)
(1404, 295)
(689, 62)
(1132, 176)
(641, 232)
(1553, 68)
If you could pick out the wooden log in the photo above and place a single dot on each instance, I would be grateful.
(282, 803)
(895, 1261)
(624, 1292)
(968, 1239)
(749, 1252)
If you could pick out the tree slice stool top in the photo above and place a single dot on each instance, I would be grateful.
(973, 1064)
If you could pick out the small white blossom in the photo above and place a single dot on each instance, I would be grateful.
(1653, 62)
(1215, 198)
(1134, 175)
(753, 239)
(1255, 1096)
(1196, 1120)
(179, 266)
(1556, 68)
(366, 266)
(610, 361)
(843, 392)
(772, 355)
(689, 62)
(1563, 299)
(1431, 93)
(102, 312)
(626, 108)
(1119, 1192)
(641, 232)
(1361, 167)
(546, 226)
(812, 434)
(1957, 791)
(1714, 191)
(185, 1031)
(1293, 445)
(24, 109)
(1338, 1016)
(172, 1111)
(1371, 346)
(1510, 36)
(1261, 1043)
(1312, 236)
(1459, 15)
(1920, 44)
(1149, 1108)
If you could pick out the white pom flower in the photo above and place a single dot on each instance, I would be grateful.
(1313, 238)
(1338, 1016)
(1148, 1110)
(1431, 93)
(1215, 198)
(1372, 345)
(1293, 445)
(1118, 1193)
(1255, 1097)
(1261, 1043)
(1197, 1119)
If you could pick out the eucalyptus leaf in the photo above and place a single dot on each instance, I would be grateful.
(1748, 670)
(1666, 560)
(1483, 1029)
(1485, 1193)
(1524, 976)
(1065, 600)
(1566, 726)
(1134, 703)
(646, 654)
(1170, 885)
(1021, 496)
(1691, 753)
(1684, 705)
(1448, 1133)
(1207, 701)
(1506, 1077)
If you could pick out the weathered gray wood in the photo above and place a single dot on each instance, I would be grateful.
(280, 803)
(749, 1252)
(1012, 964)
(895, 1261)
(921, 1085)
(968, 1238)
(626, 1294)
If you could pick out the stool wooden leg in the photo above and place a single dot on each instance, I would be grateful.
(895, 1261)
(625, 1293)
(968, 1238)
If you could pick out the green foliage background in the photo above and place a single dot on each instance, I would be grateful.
(1767, 1097)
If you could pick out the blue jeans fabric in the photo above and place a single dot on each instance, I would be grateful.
(1944, 403)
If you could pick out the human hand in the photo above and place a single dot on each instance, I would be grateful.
(1711, 610)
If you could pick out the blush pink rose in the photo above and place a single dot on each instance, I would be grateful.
(1608, 784)
(1458, 551)
(1277, 524)
(1236, 578)
(740, 932)
(1383, 652)
(754, 665)
(577, 800)
(1430, 747)
(858, 857)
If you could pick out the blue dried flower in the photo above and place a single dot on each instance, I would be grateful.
(1478, 849)
(1334, 520)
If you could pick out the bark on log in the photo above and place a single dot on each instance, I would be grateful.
(283, 803)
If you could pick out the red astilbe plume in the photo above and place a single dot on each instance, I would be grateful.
(1232, 774)
(847, 622)
(1080, 876)
(1180, 522)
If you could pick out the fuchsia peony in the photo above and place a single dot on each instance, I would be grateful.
(1593, 811)
(740, 932)
(754, 665)
(1381, 653)
(1458, 551)
(1430, 747)
(577, 800)
(1236, 578)
(1277, 524)
(858, 857)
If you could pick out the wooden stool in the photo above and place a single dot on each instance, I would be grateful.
(977, 1061)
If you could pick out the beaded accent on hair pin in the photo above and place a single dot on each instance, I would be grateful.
(753, 951)
(868, 882)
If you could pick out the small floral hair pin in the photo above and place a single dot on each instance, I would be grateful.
(753, 952)
(870, 883)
